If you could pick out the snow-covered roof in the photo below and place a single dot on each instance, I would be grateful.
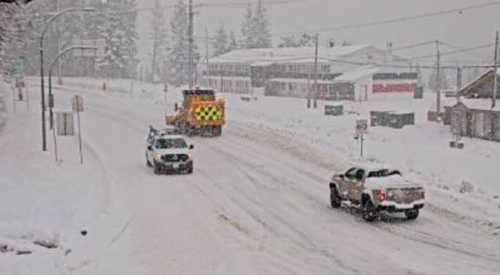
(296, 55)
(299, 80)
(357, 74)
(475, 103)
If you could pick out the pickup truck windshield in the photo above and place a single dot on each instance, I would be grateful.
(171, 143)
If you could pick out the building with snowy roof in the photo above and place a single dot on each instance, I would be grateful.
(482, 87)
(344, 72)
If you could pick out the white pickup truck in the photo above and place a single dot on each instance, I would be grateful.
(167, 153)
(376, 190)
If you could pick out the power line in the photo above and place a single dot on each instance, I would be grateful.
(470, 52)
(457, 51)
(402, 19)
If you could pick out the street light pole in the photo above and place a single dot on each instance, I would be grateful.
(54, 17)
(51, 96)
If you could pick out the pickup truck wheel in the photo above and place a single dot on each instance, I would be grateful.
(335, 200)
(412, 214)
(369, 211)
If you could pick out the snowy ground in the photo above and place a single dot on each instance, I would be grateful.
(48, 203)
(258, 200)
(421, 151)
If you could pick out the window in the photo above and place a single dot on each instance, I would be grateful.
(174, 143)
(351, 173)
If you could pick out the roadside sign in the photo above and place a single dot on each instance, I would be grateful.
(65, 125)
(18, 64)
(77, 103)
(361, 126)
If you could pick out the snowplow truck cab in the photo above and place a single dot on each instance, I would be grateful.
(200, 113)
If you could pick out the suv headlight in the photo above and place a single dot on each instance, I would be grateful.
(157, 157)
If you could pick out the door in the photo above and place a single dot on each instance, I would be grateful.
(346, 182)
(356, 186)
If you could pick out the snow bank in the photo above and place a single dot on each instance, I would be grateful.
(43, 204)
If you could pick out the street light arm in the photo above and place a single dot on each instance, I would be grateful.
(55, 16)
(68, 50)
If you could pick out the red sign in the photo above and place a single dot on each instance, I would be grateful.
(393, 88)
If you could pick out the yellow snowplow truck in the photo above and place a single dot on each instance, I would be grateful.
(200, 114)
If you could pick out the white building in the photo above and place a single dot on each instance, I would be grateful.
(347, 72)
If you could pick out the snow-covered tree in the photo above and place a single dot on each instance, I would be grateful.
(304, 40)
(233, 43)
(255, 27)
(261, 25)
(10, 33)
(220, 41)
(178, 62)
(119, 33)
(248, 28)
(158, 37)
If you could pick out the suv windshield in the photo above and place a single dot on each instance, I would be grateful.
(171, 143)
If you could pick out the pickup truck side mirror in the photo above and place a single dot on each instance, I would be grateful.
(150, 148)
(191, 147)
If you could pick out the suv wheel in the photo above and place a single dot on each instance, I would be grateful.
(369, 211)
(412, 214)
(156, 169)
(335, 200)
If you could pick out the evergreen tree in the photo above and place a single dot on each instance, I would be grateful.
(119, 33)
(220, 41)
(248, 28)
(262, 38)
(7, 30)
(304, 40)
(233, 43)
(159, 40)
(178, 62)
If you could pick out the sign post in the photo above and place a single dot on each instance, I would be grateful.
(77, 103)
(361, 130)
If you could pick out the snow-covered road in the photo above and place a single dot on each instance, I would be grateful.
(251, 208)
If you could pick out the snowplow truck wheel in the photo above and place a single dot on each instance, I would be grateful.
(335, 200)
(368, 209)
(412, 214)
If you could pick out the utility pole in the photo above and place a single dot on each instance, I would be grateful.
(459, 80)
(315, 85)
(495, 72)
(207, 70)
(438, 79)
(190, 47)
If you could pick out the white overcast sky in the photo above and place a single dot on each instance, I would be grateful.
(466, 29)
